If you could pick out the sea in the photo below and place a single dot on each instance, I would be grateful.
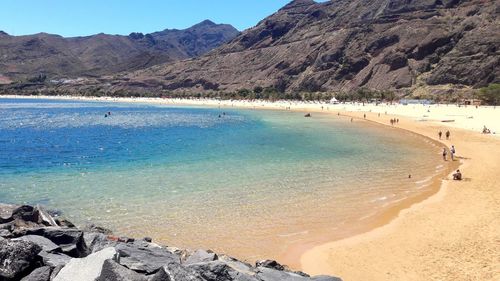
(248, 183)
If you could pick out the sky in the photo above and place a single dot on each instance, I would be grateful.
(86, 17)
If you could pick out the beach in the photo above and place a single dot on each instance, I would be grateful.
(451, 235)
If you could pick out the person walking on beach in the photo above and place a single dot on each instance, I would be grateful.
(364, 116)
(452, 153)
(448, 135)
(444, 153)
(440, 134)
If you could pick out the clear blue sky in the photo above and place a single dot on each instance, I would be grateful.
(86, 17)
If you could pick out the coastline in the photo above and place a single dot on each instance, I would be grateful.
(451, 235)
(351, 266)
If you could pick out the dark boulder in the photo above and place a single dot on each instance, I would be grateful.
(46, 244)
(269, 274)
(54, 259)
(144, 257)
(69, 239)
(39, 274)
(270, 264)
(25, 213)
(112, 271)
(97, 241)
(175, 271)
(201, 256)
(16, 257)
(218, 270)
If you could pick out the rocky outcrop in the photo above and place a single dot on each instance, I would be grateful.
(344, 45)
(35, 251)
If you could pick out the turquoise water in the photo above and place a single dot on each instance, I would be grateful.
(248, 182)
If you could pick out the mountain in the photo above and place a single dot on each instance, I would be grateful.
(53, 56)
(344, 45)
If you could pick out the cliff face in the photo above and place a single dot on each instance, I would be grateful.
(346, 44)
(55, 56)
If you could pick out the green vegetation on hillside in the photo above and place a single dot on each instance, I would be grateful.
(491, 94)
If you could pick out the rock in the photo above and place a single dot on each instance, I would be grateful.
(125, 239)
(270, 264)
(5, 233)
(55, 271)
(44, 217)
(69, 239)
(212, 270)
(97, 229)
(148, 239)
(64, 222)
(144, 257)
(112, 271)
(175, 271)
(39, 274)
(201, 256)
(16, 257)
(54, 259)
(47, 245)
(97, 241)
(236, 264)
(325, 278)
(6, 211)
(86, 269)
(25, 213)
(269, 274)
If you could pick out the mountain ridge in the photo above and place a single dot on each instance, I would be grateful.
(343, 45)
(101, 54)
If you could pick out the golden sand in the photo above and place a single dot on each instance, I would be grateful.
(454, 235)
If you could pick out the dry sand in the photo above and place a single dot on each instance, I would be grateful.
(452, 235)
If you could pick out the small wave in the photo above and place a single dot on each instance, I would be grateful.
(367, 216)
(424, 180)
(383, 198)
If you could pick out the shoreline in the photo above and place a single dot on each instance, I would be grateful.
(310, 256)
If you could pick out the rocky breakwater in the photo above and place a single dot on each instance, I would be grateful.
(37, 245)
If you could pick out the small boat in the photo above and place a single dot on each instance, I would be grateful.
(307, 115)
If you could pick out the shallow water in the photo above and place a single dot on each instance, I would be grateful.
(250, 183)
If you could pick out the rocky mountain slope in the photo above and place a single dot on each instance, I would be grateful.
(24, 57)
(37, 246)
(344, 45)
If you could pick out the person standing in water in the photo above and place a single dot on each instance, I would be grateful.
(444, 153)
(452, 153)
